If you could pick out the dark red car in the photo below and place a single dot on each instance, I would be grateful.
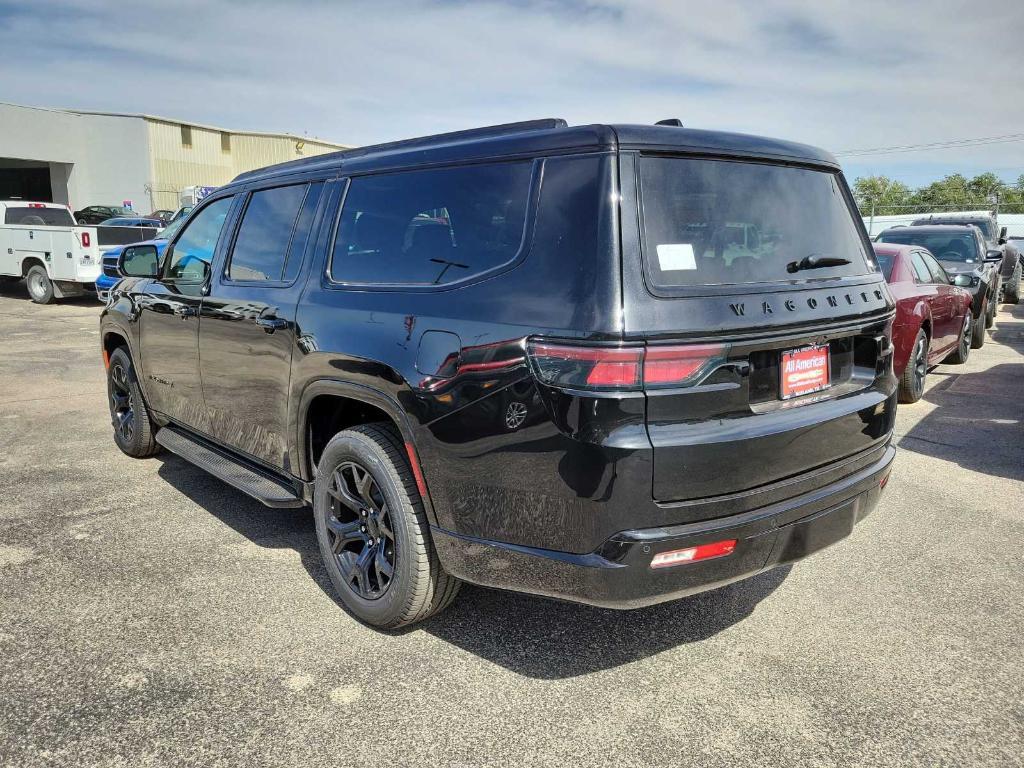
(933, 317)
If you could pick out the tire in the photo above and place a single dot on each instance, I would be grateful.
(134, 433)
(373, 532)
(963, 344)
(990, 314)
(914, 375)
(978, 332)
(40, 289)
(1011, 292)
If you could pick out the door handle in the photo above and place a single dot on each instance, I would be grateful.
(183, 311)
(271, 324)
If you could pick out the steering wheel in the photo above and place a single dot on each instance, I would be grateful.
(951, 256)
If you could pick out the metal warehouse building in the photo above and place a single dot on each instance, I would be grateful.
(103, 158)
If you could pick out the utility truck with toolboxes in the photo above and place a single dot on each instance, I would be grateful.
(42, 244)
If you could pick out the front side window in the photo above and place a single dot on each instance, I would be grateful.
(935, 269)
(718, 222)
(193, 251)
(269, 237)
(431, 227)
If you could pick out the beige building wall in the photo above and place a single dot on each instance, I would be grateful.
(183, 155)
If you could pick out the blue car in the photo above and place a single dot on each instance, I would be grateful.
(110, 274)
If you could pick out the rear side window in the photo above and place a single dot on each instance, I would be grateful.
(431, 227)
(718, 222)
(920, 268)
(273, 233)
(39, 217)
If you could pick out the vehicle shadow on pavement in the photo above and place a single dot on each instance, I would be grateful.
(548, 639)
(532, 636)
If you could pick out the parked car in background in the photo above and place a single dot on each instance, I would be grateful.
(163, 215)
(132, 221)
(933, 317)
(995, 240)
(110, 259)
(482, 356)
(963, 254)
(95, 214)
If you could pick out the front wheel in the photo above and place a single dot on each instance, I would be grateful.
(133, 428)
(373, 533)
(1011, 293)
(963, 345)
(40, 289)
(978, 332)
(990, 313)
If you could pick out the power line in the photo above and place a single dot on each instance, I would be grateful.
(951, 144)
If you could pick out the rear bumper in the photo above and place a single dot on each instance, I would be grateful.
(618, 574)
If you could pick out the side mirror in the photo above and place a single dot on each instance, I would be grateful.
(1002, 235)
(139, 261)
(963, 281)
(993, 256)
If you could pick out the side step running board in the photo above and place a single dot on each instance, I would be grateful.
(231, 470)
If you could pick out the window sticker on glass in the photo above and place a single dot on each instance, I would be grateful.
(675, 256)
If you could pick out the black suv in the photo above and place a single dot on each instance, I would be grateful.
(995, 243)
(612, 364)
(963, 254)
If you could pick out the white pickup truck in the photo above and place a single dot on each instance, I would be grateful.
(41, 243)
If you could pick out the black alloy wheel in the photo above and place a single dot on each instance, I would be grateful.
(963, 344)
(912, 381)
(122, 403)
(359, 528)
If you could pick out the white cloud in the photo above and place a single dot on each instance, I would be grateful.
(836, 74)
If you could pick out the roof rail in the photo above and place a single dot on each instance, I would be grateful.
(544, 124)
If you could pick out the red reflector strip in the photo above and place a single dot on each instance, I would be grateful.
(106, 359)
(693, 554)
(885, 480)
(674, 365)
(417, 473)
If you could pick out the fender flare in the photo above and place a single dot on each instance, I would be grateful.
(363, 393)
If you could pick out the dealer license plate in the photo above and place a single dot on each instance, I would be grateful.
(804, 371)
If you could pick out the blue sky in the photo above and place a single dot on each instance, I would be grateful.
(836, 74)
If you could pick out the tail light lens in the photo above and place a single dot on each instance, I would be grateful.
(623, 368)
(85, 240)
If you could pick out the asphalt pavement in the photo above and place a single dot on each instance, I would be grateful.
(151, 615)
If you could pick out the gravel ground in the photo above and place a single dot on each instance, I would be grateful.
(153, 616)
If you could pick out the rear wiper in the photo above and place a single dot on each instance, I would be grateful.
(815, 262)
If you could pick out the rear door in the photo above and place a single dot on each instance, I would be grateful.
(771, 351)
(946, 329)
(247, 330)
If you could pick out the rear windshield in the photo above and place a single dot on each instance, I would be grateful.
(885, 261)
(985, 225)
(717, 222)
(943, 245)
(37, 217)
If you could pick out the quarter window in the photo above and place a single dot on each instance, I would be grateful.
(431, 227)
(273, 234)
(193, 250)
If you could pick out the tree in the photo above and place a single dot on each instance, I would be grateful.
(880, 195)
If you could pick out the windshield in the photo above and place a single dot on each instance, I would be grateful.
(945, 246)
(985, 225)
(37, 217)
(717, 222)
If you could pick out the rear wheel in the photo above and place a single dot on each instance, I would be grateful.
(373, 532)
(978, 332)
(912, 381)
(133, 429)
(963, 345)
(40, 289)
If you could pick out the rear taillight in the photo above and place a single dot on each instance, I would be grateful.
(624, 367)
(85, 240)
